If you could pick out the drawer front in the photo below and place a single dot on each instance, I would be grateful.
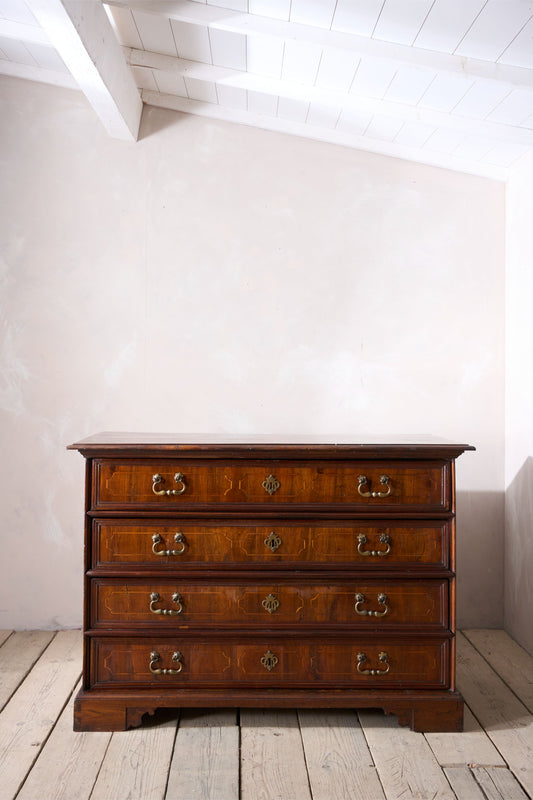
(368, 486)
(370, 662)
(168, 544)
(182, 604)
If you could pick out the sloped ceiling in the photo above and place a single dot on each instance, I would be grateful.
(442, 82)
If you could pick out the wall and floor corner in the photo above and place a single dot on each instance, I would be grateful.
(214, 277)
(518, 575)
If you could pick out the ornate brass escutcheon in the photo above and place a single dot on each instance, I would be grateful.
(363, 481)
(179, 477)
(384, 539)
(179, 538)
(382, 600)
(176, 657)
(271, 484)
(270, 603)
(269, 660)
(383, 657)
(170, 612)
(273, 541)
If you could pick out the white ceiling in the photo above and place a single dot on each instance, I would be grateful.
(443, 82)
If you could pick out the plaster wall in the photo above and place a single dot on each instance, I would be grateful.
(519, 393)
(218, 278)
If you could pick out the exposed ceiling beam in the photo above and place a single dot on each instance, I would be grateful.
(197, 13)
(82, 34)
(277, 124)
(307, 93)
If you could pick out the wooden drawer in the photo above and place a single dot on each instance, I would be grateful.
(173, 544)
(268, 661)
(180, 603)
(368, 486)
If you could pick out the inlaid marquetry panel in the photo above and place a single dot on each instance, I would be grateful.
(181, 484)
(168, 544)
(269, 661)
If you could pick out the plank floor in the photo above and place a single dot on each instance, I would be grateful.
(259, 754)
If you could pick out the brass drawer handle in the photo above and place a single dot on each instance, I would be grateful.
(363, 481)
(176, 598)
(273, 541)
(384, 539)
(270, 603)
(269, 660)
(271, 484)
(179, 538)
(154, 658)
(361, 659)
(382, 600)
(179, 477)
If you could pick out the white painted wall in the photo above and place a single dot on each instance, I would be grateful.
(519, 400)
(218, 278)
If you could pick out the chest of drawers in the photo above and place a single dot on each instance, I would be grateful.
(257, 572)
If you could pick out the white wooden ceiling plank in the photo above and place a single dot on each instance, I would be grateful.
(155, 32)
(354, 120)
(3, 55)
(235, 5)
(124, 26)
(192, 41)
(337, 69)
(447, 23)
(401, 20)
(301, 61)
(261, 103)
(481, 99)
(232, 97)
(339, 137)
(313, 12)
(295, 110)
(170, 83)
(445, 92)
(264, 55)
(323, 116)
(527, 123)
(351, 103)
(202, 14)
(46, 57)
(383, 128)
(474, 147)
(373, 78)
(494, 28)
(23, 32)
(504, 154)
(514, 109)
(357, 18)
(144, 78)
(201, 90)
(519, 53)
(18, 11)
(17, 52)
(414, 134)
(409, 84)
(276, 9)
(228, 49)
(38, 74)
(445, 140)
(85, 40)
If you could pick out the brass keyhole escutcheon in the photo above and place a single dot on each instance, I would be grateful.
(270, 603)
(273, 541)
(271, 484)
(269, 660)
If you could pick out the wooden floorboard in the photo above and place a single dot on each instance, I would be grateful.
(258, 754)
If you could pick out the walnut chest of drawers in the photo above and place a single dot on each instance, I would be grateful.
(260, 573)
